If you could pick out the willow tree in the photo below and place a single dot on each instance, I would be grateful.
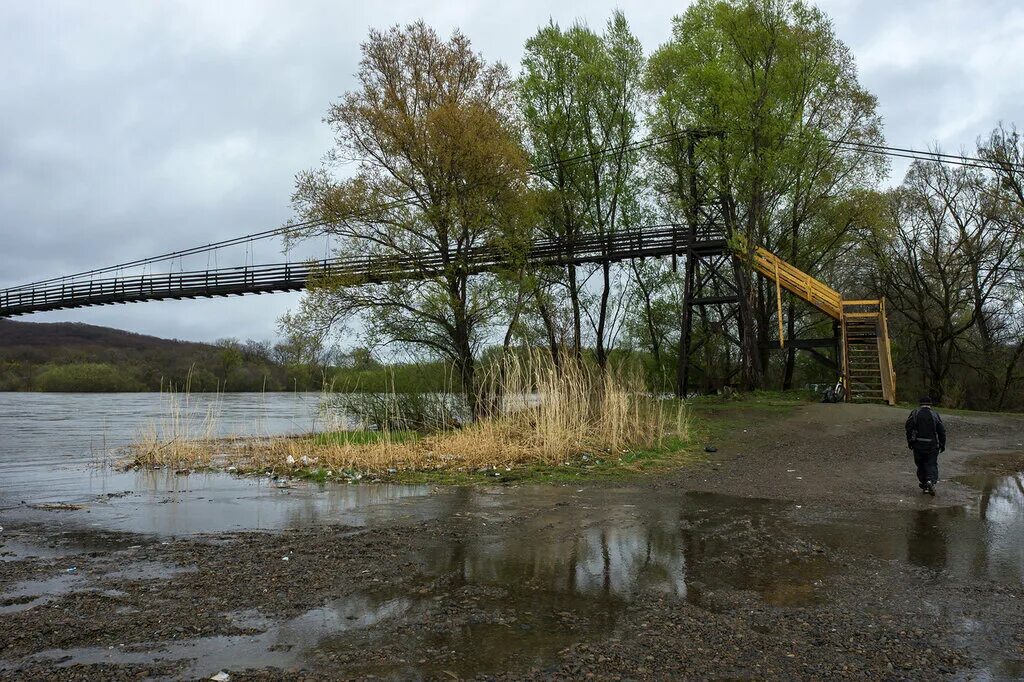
(774, 78)
(439, 174)
(580, 97)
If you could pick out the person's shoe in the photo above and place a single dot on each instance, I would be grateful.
(930, 489)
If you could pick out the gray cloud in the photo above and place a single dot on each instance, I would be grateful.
(140, 128)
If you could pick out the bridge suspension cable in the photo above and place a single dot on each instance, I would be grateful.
(538, 171)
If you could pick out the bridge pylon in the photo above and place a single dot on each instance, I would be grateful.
(712, 323)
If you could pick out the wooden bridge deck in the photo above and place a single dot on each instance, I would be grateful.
(61, 294)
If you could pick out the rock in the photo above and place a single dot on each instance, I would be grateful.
(221, 677)
(290, 461)
(710, 448)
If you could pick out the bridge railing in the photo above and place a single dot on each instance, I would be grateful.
(369, 269)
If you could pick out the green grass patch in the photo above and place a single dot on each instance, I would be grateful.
(362, 437)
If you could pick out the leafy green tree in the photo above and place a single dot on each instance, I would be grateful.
(581, 98)
(652, 320)
(774, 78)
(439, 169)
(229, 357)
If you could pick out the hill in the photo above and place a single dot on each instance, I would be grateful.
(71, 356)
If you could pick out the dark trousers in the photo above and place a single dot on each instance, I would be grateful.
(927, 461)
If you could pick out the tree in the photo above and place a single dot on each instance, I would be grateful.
(230, 357)
(580, 97)
(925, 271)
(652, 320)
(440, 170)
(773, 77)
(1004, 151)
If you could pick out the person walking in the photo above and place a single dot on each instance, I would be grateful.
(926, 436)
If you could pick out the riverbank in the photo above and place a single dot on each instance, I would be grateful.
(799, 549)
(494, 454)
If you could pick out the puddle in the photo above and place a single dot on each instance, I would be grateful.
(12, 549)
(598, 546)
(215, 502)
(982, 540)
(31, 593)
(280, 644)
(530, 632)
(561, 575)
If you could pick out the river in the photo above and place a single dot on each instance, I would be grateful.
(61, 448)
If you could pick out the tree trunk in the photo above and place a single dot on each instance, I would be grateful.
(549, 327)
(602, 316)
(577, 327)
(787, 379)
(751, 372)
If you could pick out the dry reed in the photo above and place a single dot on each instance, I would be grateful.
(184, 437)
(537, 414)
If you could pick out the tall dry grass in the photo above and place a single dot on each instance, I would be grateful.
(536, 413)
(184, 436)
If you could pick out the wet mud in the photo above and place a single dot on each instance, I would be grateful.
(801, 549)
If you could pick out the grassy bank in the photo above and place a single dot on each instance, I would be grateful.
(558, 428)
(530, 416)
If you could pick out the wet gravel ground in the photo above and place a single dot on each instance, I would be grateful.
(802, 550)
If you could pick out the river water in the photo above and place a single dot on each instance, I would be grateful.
(60, 448)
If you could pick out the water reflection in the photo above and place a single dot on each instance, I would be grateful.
(602, 548)
(982, 540)
(926, 538)
(279, 644)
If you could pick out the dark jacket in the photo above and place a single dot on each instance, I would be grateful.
(925, 430)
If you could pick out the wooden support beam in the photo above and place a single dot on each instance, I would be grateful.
(804, 344)
(778, 303)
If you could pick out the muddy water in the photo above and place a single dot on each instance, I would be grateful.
(587, 554)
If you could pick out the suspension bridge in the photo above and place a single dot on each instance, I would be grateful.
(79, 292)
(860, 342)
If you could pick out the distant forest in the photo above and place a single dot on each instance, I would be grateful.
(74, 357)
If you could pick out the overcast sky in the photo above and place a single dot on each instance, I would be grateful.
(133, 128)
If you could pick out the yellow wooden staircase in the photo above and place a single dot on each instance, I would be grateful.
(866, 360)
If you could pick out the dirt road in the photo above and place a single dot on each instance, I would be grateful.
(800, 549)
